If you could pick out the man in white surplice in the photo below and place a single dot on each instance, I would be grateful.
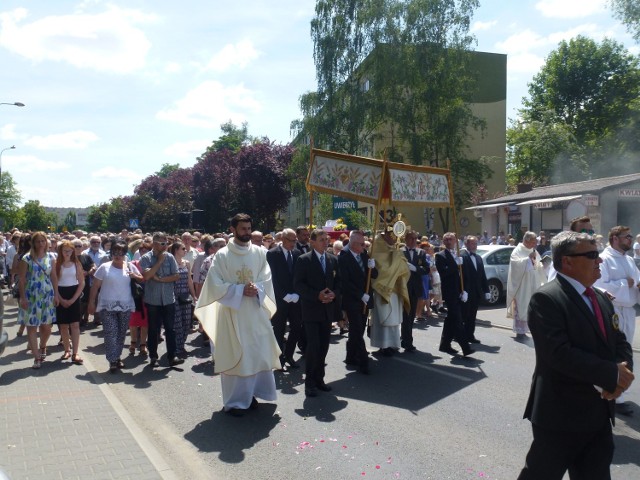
(526, 275)
(235, 308)
(620, 278)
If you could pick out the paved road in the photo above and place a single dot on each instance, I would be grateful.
(422, 415)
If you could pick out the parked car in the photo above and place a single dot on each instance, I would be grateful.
(496, 265)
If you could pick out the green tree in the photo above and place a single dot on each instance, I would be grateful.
(358, 221)
(36, 217)
(233, 138)
(579, 118)
(323, 209)
(70, 221)
(97, 218)
(628, 12)
(167, 169)
(398, 71)
(9, 201)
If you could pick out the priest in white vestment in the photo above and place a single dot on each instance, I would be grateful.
(391, 294)
(620, 277)
(526, 275)
(235, 309)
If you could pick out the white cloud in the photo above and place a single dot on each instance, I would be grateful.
(116, 173)
(76, 140)
(480, 26)
(173, 67)
(524, 63)
(8, 132)
(211, 104)
(187, 150)
(233, 56)
(107, 41)
(32, 164)
(570, 8)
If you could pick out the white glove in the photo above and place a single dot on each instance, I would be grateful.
(412, 267)
(371, 263)
(365, 298)
(459, 260)
(294, 297)
(464, 296)
(487, 296)
(287, 298)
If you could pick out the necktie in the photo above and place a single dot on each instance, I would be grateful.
(596, 309)
(411, 250)
(290, 261)
(359, 259)
(324, 266)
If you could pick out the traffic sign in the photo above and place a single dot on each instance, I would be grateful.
(134, 223)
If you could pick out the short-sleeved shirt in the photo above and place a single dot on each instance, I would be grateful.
(115, 291)
(157, 293)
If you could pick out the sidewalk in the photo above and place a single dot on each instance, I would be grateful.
(497, 317)
(62, 422)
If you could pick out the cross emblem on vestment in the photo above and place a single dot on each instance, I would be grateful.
(245, 275)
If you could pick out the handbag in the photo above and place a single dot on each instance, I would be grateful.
(184, 299)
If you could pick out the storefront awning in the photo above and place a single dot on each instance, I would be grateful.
(550, 200)
(491, 205)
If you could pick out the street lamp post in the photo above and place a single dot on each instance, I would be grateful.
(15, 104)
(12, 147)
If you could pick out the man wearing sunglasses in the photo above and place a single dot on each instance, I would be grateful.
(583, 362)
(620, 277)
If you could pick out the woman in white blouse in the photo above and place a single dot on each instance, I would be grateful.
(115, 302)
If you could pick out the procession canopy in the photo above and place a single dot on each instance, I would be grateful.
(378, 181)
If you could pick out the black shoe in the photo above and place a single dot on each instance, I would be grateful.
(410, 349)
(448, 349)
(442, 310)
(474, 340)
(120, 363)
(254, 404)
(434, 307)
(175, 361)
(343, 331)
(351, 361)
(291, 362)
(468, 351)
(153, 362)
(113, 367)
(311, 391)
(323, 387)
(624, 409)
(235, 412)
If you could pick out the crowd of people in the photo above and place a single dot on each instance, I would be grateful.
(260, 298)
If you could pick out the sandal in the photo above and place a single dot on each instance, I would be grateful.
(132, 347)
(143, 349)
(43, 353)
(36, 364)
(77, 359)
(66, 355)
(120, 363)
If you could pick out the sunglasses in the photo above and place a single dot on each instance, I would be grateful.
(162, 244)
(590, 232)
(118, 254)
(592, 255)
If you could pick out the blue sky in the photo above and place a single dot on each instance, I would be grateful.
(114, 89)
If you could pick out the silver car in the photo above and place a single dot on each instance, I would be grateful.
(496, 265)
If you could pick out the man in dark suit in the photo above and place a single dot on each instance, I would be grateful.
(317, 281)
(418, 266)
(302, 244)
(282, 260)
(354, 265)
(583, 362)
(448, 265)
(475, 284)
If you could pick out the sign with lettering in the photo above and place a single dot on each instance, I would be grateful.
(629, 192)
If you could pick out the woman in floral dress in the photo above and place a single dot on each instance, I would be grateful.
(38, 295)
(183, 287)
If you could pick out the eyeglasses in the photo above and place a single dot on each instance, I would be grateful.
(117, 254)
(294, 239)
(77, 246)
(590, 232)
(162, 244)
(628, 237)
(591, 255)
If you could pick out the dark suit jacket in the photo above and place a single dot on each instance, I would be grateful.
(449, 275)
(475, 278)
(414, 285)
(280, 275)
(572, 356)
(354, 280)
(309, 280)
(303, 248)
